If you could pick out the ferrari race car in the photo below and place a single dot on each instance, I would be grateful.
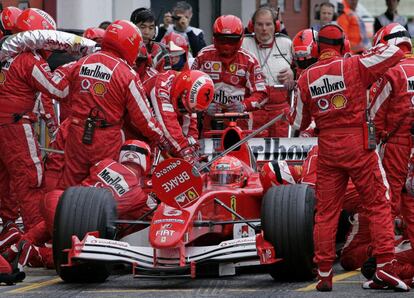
(205, 223)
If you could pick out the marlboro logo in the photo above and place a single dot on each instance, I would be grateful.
(408, 70)
(97, 71)
(326, 79)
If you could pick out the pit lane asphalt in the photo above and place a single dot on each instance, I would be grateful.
(45, 283)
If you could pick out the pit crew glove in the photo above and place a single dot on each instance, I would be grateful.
(190, 155)
(51, 128)
(236, 106)
(213, 108)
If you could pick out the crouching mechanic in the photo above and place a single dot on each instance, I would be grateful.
(124, 178)
(236, 73)
(332, 92)
(175, 98)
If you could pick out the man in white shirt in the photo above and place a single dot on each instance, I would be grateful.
(273, 51)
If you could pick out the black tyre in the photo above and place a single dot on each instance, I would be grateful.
(287, 221)
(81, 210)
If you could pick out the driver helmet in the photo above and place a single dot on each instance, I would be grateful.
(193, 91)
(228, 171)
(275, 173)
(137, 152)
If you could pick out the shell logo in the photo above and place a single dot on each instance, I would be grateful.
(99, 89)
(2, 77)
(338, 101)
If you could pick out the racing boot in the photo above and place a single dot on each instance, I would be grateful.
(8, 275)
(386, 275)
(324, 281)
(371, 285)
(10, 234)
(23, 253)
(369, 267)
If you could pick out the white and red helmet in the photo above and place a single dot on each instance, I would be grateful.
(228, 171)
(137, 152)
(394, 34)
(192, 92)
(34, 19)
(276, 173)
(305, 48)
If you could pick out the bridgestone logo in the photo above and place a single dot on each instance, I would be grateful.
(194, 90)
(114, 180)
(326, 88)
(96, 71)
(223, 99)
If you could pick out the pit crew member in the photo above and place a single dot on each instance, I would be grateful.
(236, 73)
(332, 92)
(392, 112)
(124, 178)
(175, 99)
(21, 78)
(273, 51)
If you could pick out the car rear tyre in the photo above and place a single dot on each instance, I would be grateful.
(287, 221)
(81, 210)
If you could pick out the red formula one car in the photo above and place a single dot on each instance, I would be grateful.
(199, 227)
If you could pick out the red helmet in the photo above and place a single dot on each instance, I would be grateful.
(123, 38)
(137, 152)
(34, 19)
(276, 173)
(227, 35)
(332, 36)
(394, 34)
(305, 48)
(193, 91)
(9, 17)
(229, 171)
(94, 33)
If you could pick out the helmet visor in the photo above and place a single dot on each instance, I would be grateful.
(224, 178)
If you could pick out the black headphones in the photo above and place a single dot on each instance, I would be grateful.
(274, 15)
(334, 42)
(318, 10)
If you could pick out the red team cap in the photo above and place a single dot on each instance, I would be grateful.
(96, 34)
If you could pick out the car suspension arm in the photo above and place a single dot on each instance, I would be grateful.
(254, 227)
